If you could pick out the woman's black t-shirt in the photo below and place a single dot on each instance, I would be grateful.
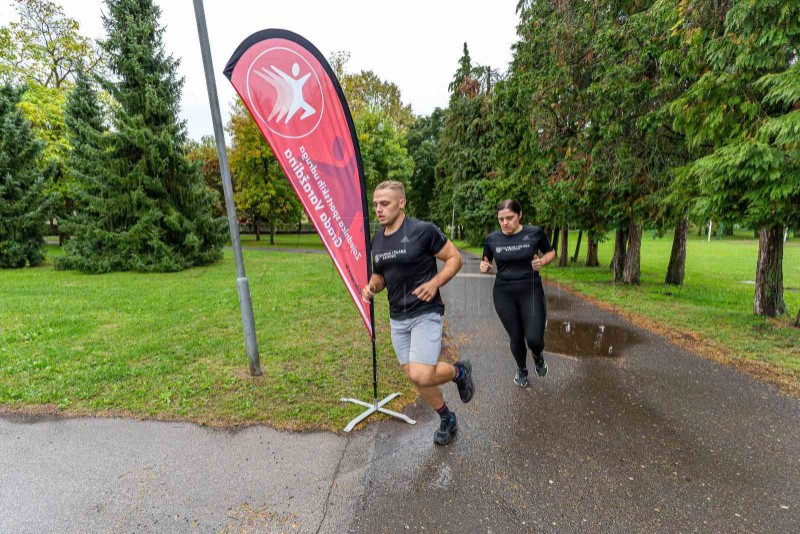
(514, 253)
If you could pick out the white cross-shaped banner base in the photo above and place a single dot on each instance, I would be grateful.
(373, 408)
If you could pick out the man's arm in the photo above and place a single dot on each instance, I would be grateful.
(452, 264)
(376, 284)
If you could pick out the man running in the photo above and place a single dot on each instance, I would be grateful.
(404, 254)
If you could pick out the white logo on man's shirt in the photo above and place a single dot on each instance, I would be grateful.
(512, 248)
(390, 255)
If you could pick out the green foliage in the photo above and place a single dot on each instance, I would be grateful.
(423, 137)
(743, 107)
(45, 47)
(88, 162)
(383, 149)
(464, 148)
(153, 210)
(367, 93)
(262, 191)
(45, 50)
(382, 123)
(22, 204)
(203, 153)
(44, 107)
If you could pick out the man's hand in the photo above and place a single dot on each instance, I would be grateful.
(427, 290)
(367, 293)
(536, 263)
(486, 265)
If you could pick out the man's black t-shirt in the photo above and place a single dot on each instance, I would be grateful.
(406, 260)
(514, 253)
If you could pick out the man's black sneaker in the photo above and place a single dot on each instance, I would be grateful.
(466, 388)
(447, 429)
(521, 379)
(541, 366)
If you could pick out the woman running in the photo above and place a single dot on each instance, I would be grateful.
(518, 294)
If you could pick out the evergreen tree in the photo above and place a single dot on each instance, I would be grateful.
(23, 208)
(88, 164)
(464, 148)
(464, 82)
(744, 107)
(155, 210)
(633, 78)
(550, 75)
(422, 139)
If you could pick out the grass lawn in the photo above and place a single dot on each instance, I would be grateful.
(303, 241)
(171, 346)
(712, 312)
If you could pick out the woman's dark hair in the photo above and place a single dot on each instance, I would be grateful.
(509, 204)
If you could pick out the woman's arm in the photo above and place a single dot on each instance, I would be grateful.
(538, 262)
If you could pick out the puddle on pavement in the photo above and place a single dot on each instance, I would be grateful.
(585, 339)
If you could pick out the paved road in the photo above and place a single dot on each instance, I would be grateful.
(627, 433)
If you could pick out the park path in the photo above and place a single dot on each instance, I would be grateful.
(627, 433)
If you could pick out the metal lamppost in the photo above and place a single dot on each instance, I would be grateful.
(242, 285)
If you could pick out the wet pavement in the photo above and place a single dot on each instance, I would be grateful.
(652, 439)
(627, 433)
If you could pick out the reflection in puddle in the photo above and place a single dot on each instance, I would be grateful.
(579, 338)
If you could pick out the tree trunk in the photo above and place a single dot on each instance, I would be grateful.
(797, 321)
(591, 253)
(69, 206)
(677, 261)
(632, 271)
(257, 226)
(618, 261)
(299, 227)
(577, 247)
(564, 259)
(755, 233)
(271, 225)
(554, 241)
(769, 273)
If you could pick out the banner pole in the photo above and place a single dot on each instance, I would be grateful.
(376, 406)
(374, 356)
(242, 285)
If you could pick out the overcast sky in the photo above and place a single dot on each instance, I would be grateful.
(413, 43)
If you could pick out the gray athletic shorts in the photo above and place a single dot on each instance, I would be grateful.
(418, 339)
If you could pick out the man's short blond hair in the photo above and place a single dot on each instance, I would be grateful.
(394, 185)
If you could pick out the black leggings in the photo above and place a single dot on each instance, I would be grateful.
(522, 309)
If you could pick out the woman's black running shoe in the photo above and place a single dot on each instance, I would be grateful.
(521, 379)
(541, 366)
